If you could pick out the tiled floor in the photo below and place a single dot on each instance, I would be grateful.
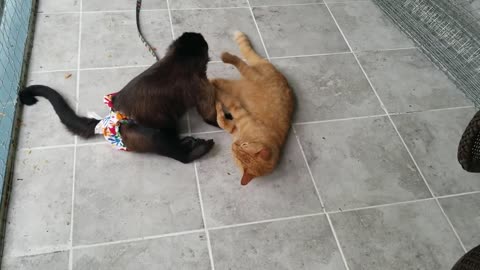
(369, 178)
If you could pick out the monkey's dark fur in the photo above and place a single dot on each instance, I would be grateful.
(155, 100)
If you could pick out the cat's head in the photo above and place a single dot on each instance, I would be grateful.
(254, 158)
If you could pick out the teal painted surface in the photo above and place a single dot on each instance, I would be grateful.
(14, 29)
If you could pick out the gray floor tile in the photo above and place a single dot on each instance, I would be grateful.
(186, 252)
(218, 26)
(111, 39)
(186, 4)
(41, 201)
(297, 30)
(407, 81)
(95, 5)
(121, 195)
(464, 213)
(355, 163)
(359, 163)
(329, 87)
(433, 140)
(410, 236)
(40, 125)
(55, 43)
(305, 243)
(366, 28)
(46, 6)
(282, 2)
(215, 70)
(50, 261)
(288, 191)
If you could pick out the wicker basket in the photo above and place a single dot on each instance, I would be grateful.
(469, 146)
(469, 261)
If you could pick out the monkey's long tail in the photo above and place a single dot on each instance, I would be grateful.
(79, 125)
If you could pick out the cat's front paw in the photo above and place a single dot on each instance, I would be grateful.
(228, 58)
(219, 108)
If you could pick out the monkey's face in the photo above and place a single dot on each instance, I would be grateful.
(191, 45)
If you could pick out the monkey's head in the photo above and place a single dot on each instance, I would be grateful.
(190, 46)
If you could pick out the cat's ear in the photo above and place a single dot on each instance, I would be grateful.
(265, 153)
(257, 149)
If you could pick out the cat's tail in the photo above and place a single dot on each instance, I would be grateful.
(246, 48)
(82, 126)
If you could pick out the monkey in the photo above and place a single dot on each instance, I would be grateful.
(145, 112)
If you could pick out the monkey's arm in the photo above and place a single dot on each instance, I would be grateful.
(205, 104)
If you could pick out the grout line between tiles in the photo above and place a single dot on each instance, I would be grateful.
(180, 9)
(388, 50)
(344, 259)
(209, 8)
(305, 158)
(61, 248)
(398, 133)
(307, 55)
(106, 68)
(48, 147)
(221, 131)
(380, 206)
(103, 68)
(40, 251)
(309, 170)
(189, 127)
(287, 5)
(92, 143)
(334, 233)
(258, 29)
(138, 239)
(458, 194)
(77, 98)
(434, 110)
(194, 8)
(200, 199)
(207, 233)
(216, 61)
(222, 227)
(170, 19)
(338, 119)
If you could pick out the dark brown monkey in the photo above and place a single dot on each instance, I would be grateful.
(153, 102)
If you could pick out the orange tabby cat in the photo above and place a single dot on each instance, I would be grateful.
(261, 104)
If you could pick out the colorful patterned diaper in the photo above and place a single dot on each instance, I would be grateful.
(110, 125)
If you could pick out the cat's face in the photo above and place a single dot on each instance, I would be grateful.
(254, 158)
